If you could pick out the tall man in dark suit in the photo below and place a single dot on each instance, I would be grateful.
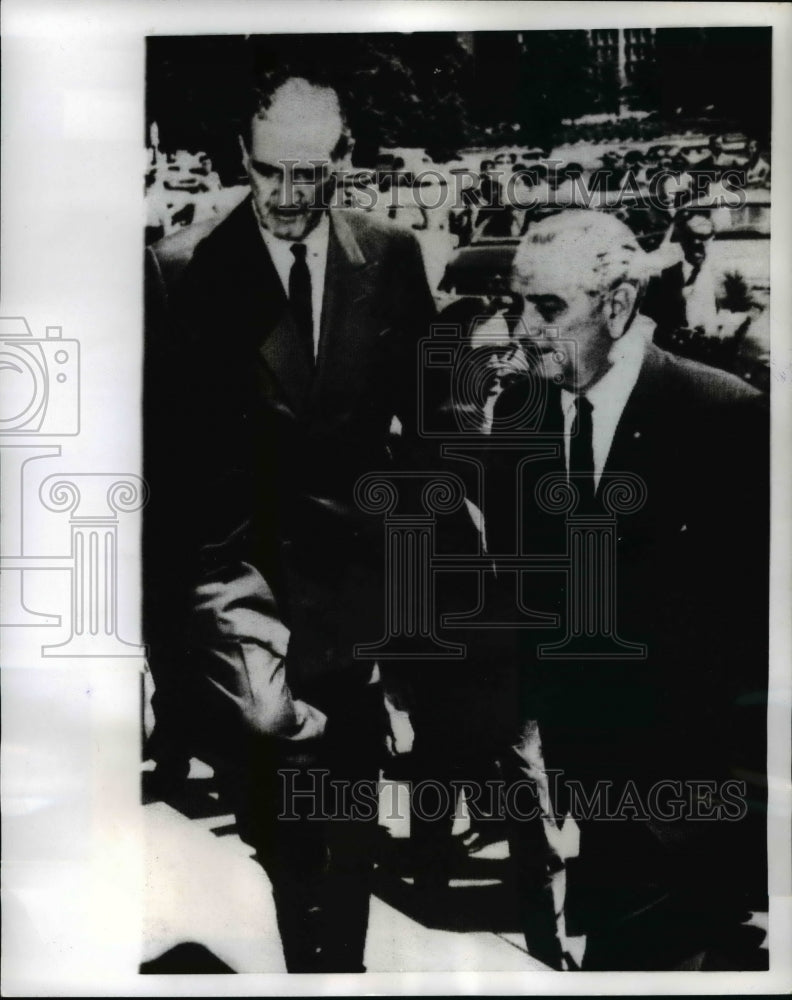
(282, 353)
(650, 693)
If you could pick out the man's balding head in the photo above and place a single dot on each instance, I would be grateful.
(305, 110)
(596, 248)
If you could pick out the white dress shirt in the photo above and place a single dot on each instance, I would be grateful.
(700, 304)
(609, 396)
(315, 258)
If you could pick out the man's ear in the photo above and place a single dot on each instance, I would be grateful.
(621, 304)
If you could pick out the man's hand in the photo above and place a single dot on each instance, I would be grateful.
(311, 722)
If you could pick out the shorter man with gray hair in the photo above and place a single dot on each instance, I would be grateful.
(649, 692)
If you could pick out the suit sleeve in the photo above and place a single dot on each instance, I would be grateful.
(225, 627)
(414, 311)
(241, 644)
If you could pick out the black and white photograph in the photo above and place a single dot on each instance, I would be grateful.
(404, 524)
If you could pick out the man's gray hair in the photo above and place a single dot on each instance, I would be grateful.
(589, 239)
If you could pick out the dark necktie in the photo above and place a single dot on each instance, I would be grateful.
(694, 273)
(300, 298)
(581, 453)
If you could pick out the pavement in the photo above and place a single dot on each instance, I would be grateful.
(208, 906)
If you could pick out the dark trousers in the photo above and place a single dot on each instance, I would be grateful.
(457, 714)
(646, 905)
(534, 862)
(435, 789)
(311, 814)
(654, 894)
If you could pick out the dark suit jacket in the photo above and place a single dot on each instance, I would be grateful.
(691, 583)
(664, 302)
(277, 572)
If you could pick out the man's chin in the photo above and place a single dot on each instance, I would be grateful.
(292, 228)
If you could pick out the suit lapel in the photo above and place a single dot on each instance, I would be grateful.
(282, 354)
(633, 440)
(258, 307)
(675, 299)
(259, 311)
(344, 341)
(280, 349)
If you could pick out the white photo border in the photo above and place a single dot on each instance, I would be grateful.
(73, 77)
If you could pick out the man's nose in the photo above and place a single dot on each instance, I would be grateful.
(293, 194)
(290, 190)
(530, 324)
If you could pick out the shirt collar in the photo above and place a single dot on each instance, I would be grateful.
(687, 267)
(315, 241)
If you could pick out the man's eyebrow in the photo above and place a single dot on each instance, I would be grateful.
(549, 298)
(296, 171)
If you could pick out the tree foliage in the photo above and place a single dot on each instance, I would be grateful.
(428, 90)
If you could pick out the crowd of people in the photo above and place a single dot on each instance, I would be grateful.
(593, 649)
(495, 196)
(720, 317)
(183, 188)
(492, 196)
(664, 178)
